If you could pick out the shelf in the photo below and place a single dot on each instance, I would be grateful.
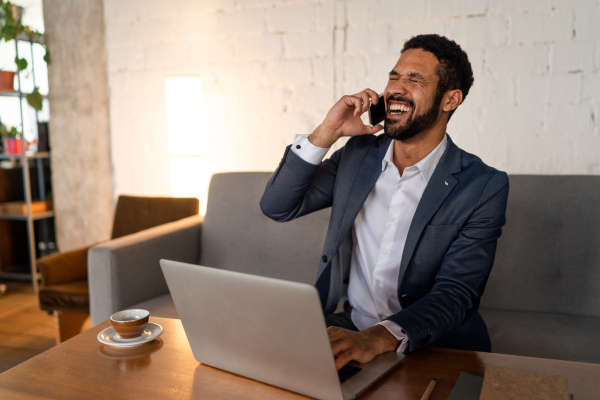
(9, 94)
(28, 155)
(25, 38)
(16, 94)
(8, 213)
(16, 272)
(19, 276)
(35, 217)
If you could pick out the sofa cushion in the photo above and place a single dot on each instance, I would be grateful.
(546, 335)
(237, 236)
(548, 258)
(160, 306)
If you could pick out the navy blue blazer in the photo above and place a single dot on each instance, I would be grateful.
(451, 243)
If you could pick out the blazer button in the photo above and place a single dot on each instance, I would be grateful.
(324, 258)
(424, 340)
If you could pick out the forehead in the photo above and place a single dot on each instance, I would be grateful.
(417, 60)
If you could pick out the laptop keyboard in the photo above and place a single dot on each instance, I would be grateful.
(347, 372)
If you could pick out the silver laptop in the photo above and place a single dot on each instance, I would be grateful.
(266, 329)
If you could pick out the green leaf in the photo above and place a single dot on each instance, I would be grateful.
(6, 132)
(47, 57)
(21, 63)
(35, 99)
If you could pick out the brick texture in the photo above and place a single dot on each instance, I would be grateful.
(272, 68)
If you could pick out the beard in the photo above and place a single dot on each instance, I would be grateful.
(415, 123)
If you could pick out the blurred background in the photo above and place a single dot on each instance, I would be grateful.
(151, 97)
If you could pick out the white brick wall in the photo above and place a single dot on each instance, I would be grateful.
(272, 68)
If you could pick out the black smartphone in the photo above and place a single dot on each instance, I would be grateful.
(377, 111)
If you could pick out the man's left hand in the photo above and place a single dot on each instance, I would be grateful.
(360, 346)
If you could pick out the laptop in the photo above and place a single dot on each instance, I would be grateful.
(269, 330)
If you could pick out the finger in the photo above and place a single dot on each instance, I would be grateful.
(375, 129)
(365, 100)
(373, 95)
(336, 332)
(343, 359)
(331, 329)
(354, 101)
(360, 109)
(337, 339)
(370, 130)
(339, 345)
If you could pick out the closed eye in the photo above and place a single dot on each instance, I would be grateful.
(416, 77)
(413, 77)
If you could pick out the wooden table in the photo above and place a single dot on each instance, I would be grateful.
(83, 368)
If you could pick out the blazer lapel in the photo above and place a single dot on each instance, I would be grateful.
(439, 187)
(366, 176)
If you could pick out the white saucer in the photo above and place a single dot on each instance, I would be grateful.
(110, 337)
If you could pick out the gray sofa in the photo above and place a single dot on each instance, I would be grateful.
(542, 299)
(234, 235)
(543, 295)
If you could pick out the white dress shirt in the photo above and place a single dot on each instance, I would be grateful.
(379, 234)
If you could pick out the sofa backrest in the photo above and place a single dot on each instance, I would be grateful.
(548, 258)
(237, 236)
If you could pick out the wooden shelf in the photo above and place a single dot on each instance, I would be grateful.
(16, 272)
(29, 155)
(35, 217)
(18, 276)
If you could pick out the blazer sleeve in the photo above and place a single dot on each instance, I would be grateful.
(297, 187)
(464, 271)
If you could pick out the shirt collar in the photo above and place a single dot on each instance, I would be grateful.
(427, 165)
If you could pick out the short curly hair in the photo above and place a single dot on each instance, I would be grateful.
(454, 69)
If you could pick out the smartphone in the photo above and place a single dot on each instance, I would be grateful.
(377, 111)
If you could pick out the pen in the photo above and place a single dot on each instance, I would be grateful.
(429, 389)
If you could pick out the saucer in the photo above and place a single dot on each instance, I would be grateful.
(110, 337)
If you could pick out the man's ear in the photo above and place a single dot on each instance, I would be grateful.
(451, 100)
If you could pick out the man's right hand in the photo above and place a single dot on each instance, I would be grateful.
(344, 120)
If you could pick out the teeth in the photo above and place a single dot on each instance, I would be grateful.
(399, 107)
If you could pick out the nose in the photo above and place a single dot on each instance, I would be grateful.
(394, 87)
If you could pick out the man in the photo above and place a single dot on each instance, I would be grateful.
(414, 219)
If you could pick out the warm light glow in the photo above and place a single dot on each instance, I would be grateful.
(185, 123)
(184, 115)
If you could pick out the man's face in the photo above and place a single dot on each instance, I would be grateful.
(410, 95)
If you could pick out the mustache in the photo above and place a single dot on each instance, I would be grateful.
(397, 97)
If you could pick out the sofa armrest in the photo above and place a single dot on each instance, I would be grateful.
(126, 271)
(68, 266)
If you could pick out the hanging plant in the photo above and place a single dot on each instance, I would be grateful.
(21, 64)
(35, 99)
(10, 28)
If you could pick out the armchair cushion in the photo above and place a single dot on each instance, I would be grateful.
(68, 266)
(71, 297)
(150, 212)
(64, 285)
(64, 281)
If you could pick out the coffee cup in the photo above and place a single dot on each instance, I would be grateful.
(130, 324)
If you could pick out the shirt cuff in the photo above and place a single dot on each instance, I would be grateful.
(308, 151)
(398, 333)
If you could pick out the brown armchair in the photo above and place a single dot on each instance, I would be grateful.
(64, 286)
